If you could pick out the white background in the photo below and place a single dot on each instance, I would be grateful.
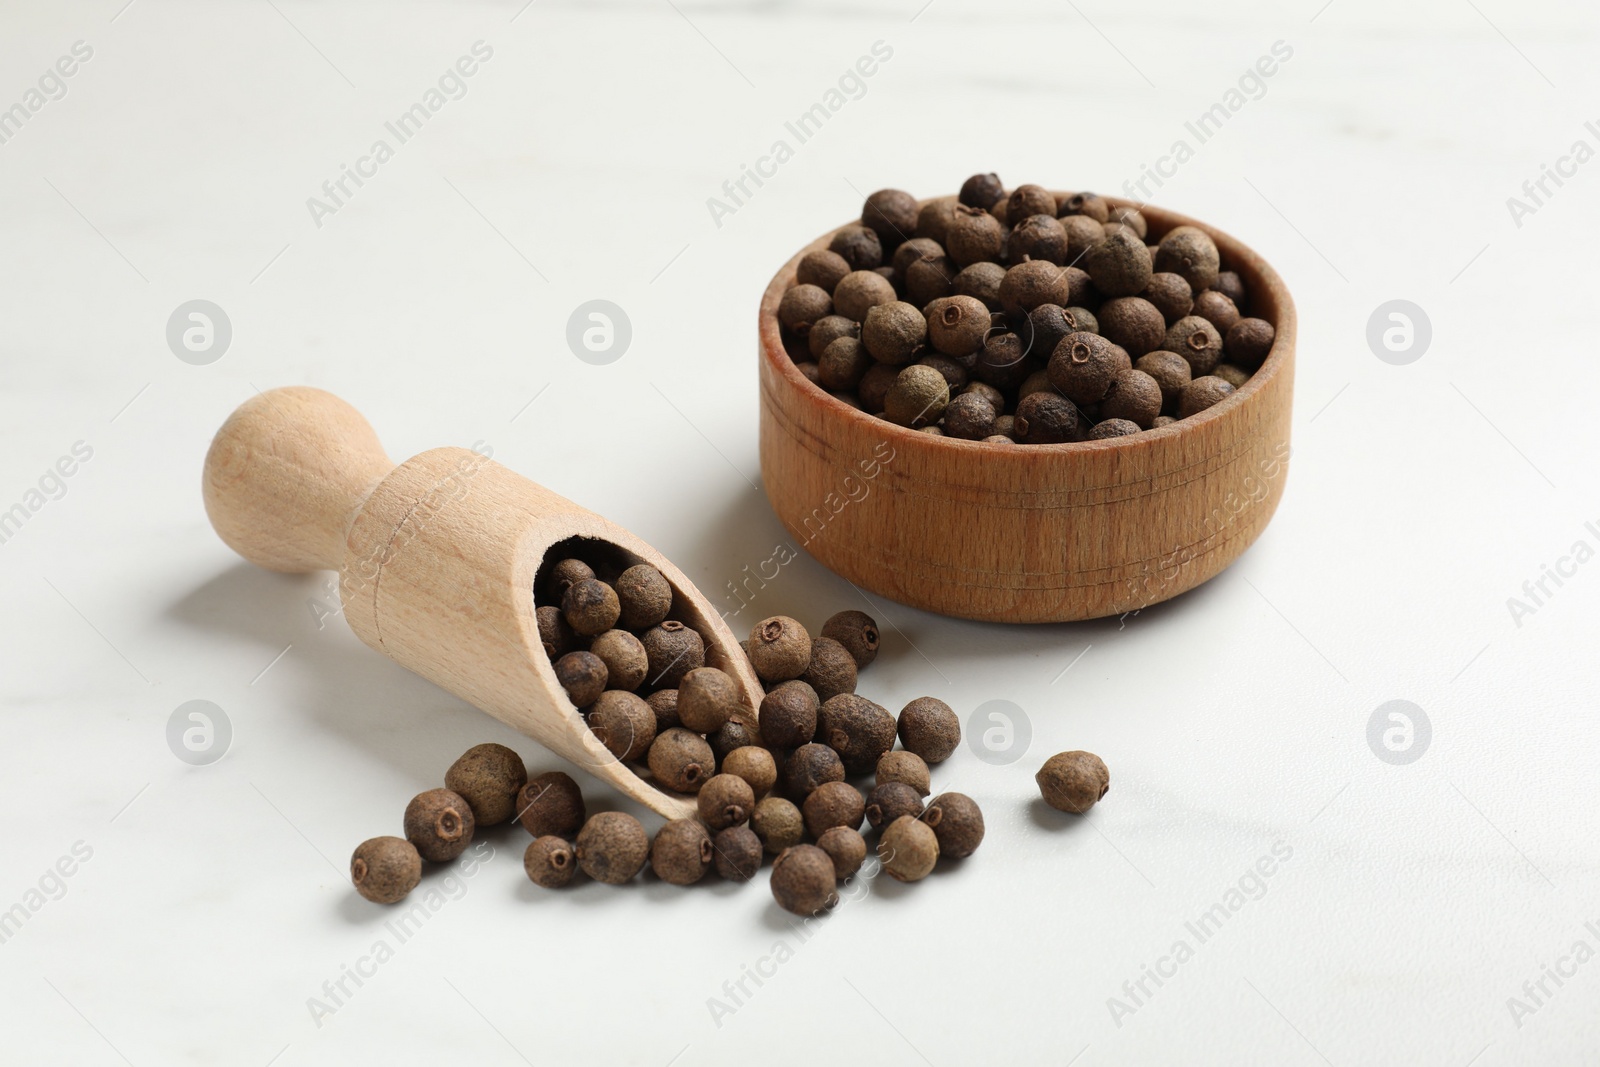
(1376, 166)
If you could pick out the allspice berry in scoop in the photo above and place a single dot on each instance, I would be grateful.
(385, 869)
(612, 847)
(624, 723)
(551, 805)
(832, 804)
(890, 800)
(904, 767)
(681, 854)
(778, 823)
(664, 702)
(591, 607)
(673, 650)
(731, 735)
(624, 657)
(555, 634)
(908, 849)
(857, 632)
(956, 822)
(439, 823)
(929, 728)
(681, 760)
(789, 715)
(803, 880)
(856, 728)
(487, 777)
(707, 698)
(725, 800)
(832, 669)
(846, 847)
(583, 675)
(779, 649)
(1073, 781)
(550, 861)
(644, 595)
(736, 853)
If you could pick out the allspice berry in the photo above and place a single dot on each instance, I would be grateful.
(1234, 376)
(859, 246)
(440, 824)
(956, 822)
(1135, 396)
(1197, 341)
(803, 880)
(957, 325)
(843, 364)
(824, 332)
(707, 698)
(1040, 237)
(954, 374)
(1217, 309)
(488, 777)
(1170, 372)
(1106, 429)
(1202, 393)
(929, 278)
(802, 305)
(778, 823)
(1230, 285)
(681, 760)
(624, 723)
(890, 800)
(1131, 218)
(973, 235)
(681, 854)
(673, 650)
(789, 715)
(913, 250)
(811, 766)
(1031, 283)
(1073, 781)
(555, 634)
(1046, 418)
(1248, 342)
(551, 804)
(563, 575)
(624, 657)
(1083, 233)
(1169, 294)
(908, 849)
(612, 847)
(644, 595)
(969, 416)
(917, 397)
(1003, 360)
(929, 728)
(904, 767)
(1119, 265)
(755, 765)
(832, 804)
(822, 269)
(591, 607)
(857, 632)
(779, 649)
(725, 800)
(832, 669)
(385, 869)
(846, 848)
(736, 852)
(891, 214)
(664, 702)
(733, 734)
(1083, 366)
(1134, 323)
(583, 675)
(981, 281)
(860, 291)
(893, 332)
(1190, 252)
(1091, 205)
(1026, 201)
(550, 861)
(981, 191)
(875, 386)
(856, 728)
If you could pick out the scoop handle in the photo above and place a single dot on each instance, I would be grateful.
(286, 475)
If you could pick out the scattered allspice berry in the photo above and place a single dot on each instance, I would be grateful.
(612, 847)
(439, 823)
(736, 853)
(846, 848)
(908, 849)
(385, 869)
(624, 723)
(904, 767)
(929, 728)
(857, 632)
(707, 698)
(583, 675)
(859, 729)
(644, 596)
(789, 715)
(1073, 781)
(778, 823)
(833, 804)
(956, 822)
(550, 861)
(551, 805)
(681, 854)
(779, 649)
(624, 657)
(725, 800)
(890, 800)
(832, 669)
(488, 777)
(755, 765)
(803, 880)
(812, 765)
(591, 607)
(681, 760)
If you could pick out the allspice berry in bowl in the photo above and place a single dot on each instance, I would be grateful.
(1108, 480)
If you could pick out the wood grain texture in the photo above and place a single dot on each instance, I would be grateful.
(1030, 533)
(437, 560)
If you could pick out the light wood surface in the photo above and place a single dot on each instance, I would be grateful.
(1030, 533)
(437, 560)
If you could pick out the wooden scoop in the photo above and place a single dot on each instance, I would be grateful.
(437, 561)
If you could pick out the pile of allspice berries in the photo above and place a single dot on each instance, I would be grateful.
(785, 788)
(1020, 317)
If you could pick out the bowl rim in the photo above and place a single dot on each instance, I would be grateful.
(777, 358)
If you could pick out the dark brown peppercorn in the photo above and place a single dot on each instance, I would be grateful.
(953, 373)
(1082, 233)
(803, 880)
(842, 364)
(664, 702)
(875, 386)
(1047, 324)
(824, 332)
(550, 862)
(891, 214)
(1216, 309)
(1026, 201)
(1131, 218)
(755, 765)
(957, 325)
(439, 823)
(583, 675)
(974, 235)
(1046, 418)
(551, 804)
(904, 767)
(1248, 342)
(981, 191)
(1135, 396)
(956, 822)
(890, 800)
(1134, 323)
(1230, 285)
(778, 824)
(846, 848)
(1201, 394)
(789, 715)
(624, 723)
(707, 698)
(860, 292)
(1003, 361)
(1038, 237)
(928, 279)
(1234, 376)
(894, 331)
(1189, 251)
(555, 634)
(487, 777)
(1081, 292)
(623, 655)
(981, 281)
(821, 268)
(859, 246)
(1031, 283)
(725, 800)
(564, 575)
(385, 869)
(908, 849)
(736, 853)
(917, 397)
(857, 632)
(913, 250)
(681, 760)
(989, 393)
(1109, 428)
(612, 847)
(681, 854)
(644, 595)
(856, 728)
(591, 607)
(1073, 781)
(731, 735)
(970, 417)
(673, 650)
(1090, 204)
(930, 729)
(1079, 320)
(802, 305)
(1170, 295)
(811, 765)
(1197, 341)
(1119, 265)
(1084, 364)
(832, 804)
(933, 219)
(1170, 372)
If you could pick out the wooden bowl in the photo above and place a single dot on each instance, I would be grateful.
(1030, 533)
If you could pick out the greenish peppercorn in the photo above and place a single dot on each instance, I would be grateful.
(957, 822)
(550, 862)
(859, 246)
(859, 292)
(681, 760)
(904, 767)
(891, 214)
(893, 332)
(890, 800)
(673, 650)
(1248, 342)
(624, 723)
(930, 729)
(1119, 265)
(917, 397)
(846, 848)
(1170, 372)
(488, 777)
(821, 268)
(1134, 396)
(385, 869)
(957, 325)
(811, 765)
(832, 804)
(551, 804)
(778, 823)
(1197, 341)
(802, 305)
(1073, 781)
(908, 849)
(583, 675)
(1202, 393)
(624, 657)
(1190, 252)
(1106, 429)
(859, 729)
(440, 824)
(974, 235)
(981, 281)
(981, 191)
(612, 847)
(803, 880)
(1134, 323)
